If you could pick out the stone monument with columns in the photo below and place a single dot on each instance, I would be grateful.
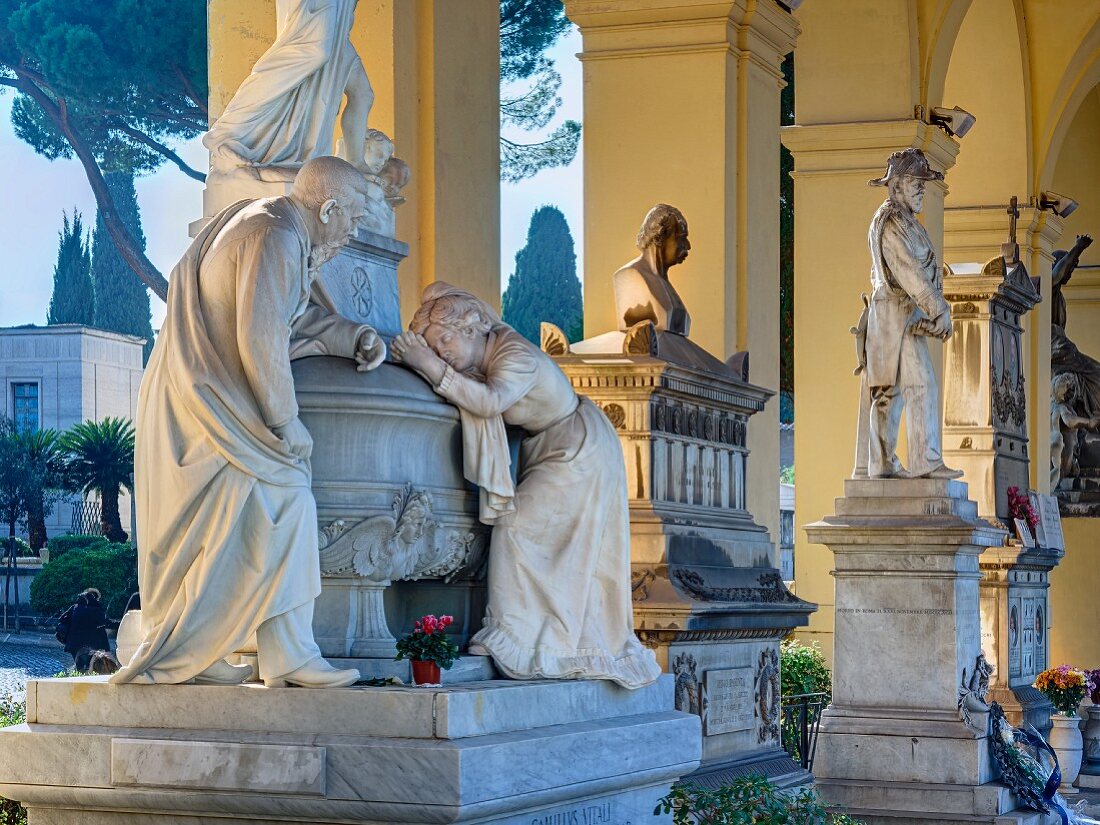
(708, 597)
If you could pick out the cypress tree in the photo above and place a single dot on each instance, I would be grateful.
(544, 286)
(121, 300)
(73, 299)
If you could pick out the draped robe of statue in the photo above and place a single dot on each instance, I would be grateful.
(284, 113)
(559, 560)
(226, 521)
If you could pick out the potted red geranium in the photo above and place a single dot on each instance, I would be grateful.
(428, 649)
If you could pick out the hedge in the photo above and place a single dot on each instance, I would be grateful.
(110, 568)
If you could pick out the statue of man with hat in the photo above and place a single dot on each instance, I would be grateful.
(906, 306)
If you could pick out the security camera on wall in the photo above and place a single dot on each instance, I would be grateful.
(955, 121)
(1060, 205)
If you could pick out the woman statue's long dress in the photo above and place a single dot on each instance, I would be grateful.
(284, 113)
(559, 559)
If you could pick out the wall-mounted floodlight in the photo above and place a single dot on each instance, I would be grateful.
(955, 121)
(1060, 205)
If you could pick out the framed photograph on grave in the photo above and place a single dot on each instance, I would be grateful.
(1052, 523)
(1023, 533)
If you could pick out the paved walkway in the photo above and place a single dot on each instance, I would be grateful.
(20, 661)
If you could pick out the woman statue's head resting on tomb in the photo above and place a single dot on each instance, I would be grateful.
(456, 324)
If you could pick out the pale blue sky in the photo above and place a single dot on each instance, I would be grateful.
(36, 191)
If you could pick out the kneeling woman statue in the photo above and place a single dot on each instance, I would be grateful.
(559, 560)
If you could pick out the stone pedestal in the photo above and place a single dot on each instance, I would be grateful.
(893, 747)
(508, 753)
(708, 597)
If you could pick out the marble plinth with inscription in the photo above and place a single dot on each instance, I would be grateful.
(895, 745)
(507, 753)
(708, 598)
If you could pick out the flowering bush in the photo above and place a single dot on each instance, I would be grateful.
(1094, 679)
(1065, 687)
(429, 642)
(1019, 507)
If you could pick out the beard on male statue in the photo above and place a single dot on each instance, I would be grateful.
(227, 523)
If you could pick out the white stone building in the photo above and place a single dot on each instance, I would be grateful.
(57, 376)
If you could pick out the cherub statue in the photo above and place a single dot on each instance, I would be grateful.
(1065, 425)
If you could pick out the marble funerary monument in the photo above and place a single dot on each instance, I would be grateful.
(301, 501)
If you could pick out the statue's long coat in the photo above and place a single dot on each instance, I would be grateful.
(226, 521)
(907, 286)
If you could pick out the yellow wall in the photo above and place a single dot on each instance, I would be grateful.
(1077, 175)
(1074, 603)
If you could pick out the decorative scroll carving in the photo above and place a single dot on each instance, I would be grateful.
(407, 545)
(639, 583)
(553, 340)
(770, 589)
(616, 415)
(1009, 401)
(767, 696)
(641, 339)
(684, 668)
(974, 693)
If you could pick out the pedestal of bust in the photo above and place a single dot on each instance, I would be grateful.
(894, 746)
(708, 599)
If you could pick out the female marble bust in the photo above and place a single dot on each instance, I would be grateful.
(559, 558)
(643, 291)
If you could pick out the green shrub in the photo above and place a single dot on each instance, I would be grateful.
(22, 549)
(803, 669)
(110, 568)
(746, 801)
(12, 712)
(12, 813)
(60, 545)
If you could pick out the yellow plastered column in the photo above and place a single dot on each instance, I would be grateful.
(681, 106)
(833, 209)
(435, 69)
(238, 32)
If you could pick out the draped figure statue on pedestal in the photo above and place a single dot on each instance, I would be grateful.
(285, 111)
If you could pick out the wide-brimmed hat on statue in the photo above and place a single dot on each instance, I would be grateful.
(911, 162)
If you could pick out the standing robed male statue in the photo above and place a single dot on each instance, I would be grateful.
(226, 520)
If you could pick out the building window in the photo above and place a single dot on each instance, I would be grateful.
(25, 405)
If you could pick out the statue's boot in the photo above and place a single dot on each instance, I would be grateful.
(316, 673)
(223, 673)
(943, 471)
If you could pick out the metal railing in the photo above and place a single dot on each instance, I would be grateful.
(801, 715)
(86, 515)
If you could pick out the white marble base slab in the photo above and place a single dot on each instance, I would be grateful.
(488, 752)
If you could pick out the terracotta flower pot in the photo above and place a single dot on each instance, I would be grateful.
(1066, 739)
(427, 673)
